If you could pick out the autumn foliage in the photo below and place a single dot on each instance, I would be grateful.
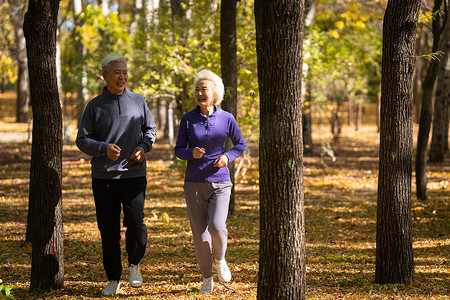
(340, 210)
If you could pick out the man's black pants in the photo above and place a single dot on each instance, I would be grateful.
(109, 196)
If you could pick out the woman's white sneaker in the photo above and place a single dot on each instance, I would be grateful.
(222, 270)
(111, 288)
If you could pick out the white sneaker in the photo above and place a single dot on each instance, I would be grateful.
(111, 288)
(207, 286)
(222, 270)
(135, 276)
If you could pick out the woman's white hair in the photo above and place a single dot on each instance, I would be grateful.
(106, 63)
(218, 88)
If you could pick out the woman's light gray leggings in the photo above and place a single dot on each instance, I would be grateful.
(207, 206)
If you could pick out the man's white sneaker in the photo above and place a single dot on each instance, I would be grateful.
(222, 270)
(135, 276)
(207, 286)
(111, 288)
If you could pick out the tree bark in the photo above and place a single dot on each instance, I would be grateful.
(21, 57)
(44, 224)
(426, 112)
(228, 59)
(394, 252)
(442, 100)
(282, 265)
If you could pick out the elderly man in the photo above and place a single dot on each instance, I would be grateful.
(117, 130)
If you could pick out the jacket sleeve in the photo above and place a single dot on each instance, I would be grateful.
(181, 147)
(237, 138)
(85, 141)
(148, 130)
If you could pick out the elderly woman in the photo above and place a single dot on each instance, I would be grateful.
(201, 141)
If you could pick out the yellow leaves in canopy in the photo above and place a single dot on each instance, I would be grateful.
(334, 33)
(360, 25)
(340, 25)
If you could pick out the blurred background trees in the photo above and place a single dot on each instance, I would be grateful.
(168, 42)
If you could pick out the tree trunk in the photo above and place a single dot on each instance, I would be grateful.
(335, 121)
(307, 122)
(162, 117)
(351, 118)
(180, 20)
(282, 257)
(418, 71)
(3, 82)
(44, 224)
(426, 112)
(80, 53)
(21, 57)
(442, 101)
(394, 252)
(228, 61)
(359, 116)
(310, 11)
(447, 124)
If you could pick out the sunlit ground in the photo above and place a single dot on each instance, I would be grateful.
(340, 212)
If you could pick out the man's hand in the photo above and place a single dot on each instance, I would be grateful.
(138, 154)
(113, 151)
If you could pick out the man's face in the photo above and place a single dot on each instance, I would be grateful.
(116, 77)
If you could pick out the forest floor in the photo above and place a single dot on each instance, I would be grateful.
(340, 213)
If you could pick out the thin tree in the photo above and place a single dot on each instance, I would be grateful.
(80, 54)
(394, 252)
(20, 53)
(44, 225)
(426, 112)
(308, 147)
(442, 100)
(228, 59)
(279, 29)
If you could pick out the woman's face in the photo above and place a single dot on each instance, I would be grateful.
(204, 93)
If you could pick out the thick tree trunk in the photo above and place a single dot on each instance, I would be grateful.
(45, 204)
(282, 265)
(228, 61)
(439, 140)
(21, 57)
(394, 252)
(426, 112)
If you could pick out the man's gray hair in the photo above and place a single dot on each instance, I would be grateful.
(106, 63)
(219, 90)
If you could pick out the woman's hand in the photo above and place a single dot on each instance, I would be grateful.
(221, 162)
(198, 152)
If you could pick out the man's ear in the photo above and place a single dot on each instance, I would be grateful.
(104, 76)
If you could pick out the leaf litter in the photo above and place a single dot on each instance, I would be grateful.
(340, 213)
